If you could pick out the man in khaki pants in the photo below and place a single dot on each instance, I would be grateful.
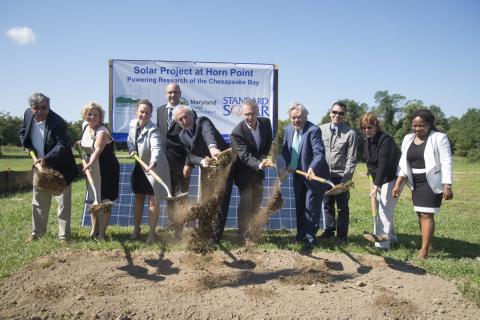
(45, 132)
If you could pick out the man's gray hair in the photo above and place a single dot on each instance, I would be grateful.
(181, 107)
(300, 107)
(251, 103)
(37, 99)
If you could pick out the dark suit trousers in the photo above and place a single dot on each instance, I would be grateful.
(308, 209)
(250, 200)
(341, 200)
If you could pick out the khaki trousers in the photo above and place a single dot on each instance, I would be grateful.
(41, 202)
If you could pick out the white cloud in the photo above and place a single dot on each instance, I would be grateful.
(21, 35)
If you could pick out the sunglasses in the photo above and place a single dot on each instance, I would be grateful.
(338, 113)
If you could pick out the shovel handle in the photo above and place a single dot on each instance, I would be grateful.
(35, 159)
(373, 201)
(153, 174)
(88, 173)
(314, 177)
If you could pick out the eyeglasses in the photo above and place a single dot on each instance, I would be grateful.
(338, 113)
(367, 127)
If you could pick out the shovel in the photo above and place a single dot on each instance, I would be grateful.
(96, 207)
(170, 197)
(373, 207)
(336, 189)
(47, 178)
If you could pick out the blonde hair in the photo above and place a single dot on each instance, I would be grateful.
(369, 118)
(90, 106)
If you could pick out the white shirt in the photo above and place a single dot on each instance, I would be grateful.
(256, 134)
(38, 137)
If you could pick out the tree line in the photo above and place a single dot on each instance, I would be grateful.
(393, 110)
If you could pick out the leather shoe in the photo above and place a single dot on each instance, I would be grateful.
(342, 242)
(32, 238)
(326, 235)
(298, 238)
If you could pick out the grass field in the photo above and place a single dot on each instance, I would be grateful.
(456, 253)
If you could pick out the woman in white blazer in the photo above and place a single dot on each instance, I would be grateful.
(426, 165)
(145, 140)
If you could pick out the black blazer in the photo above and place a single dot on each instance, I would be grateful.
(204, 134)
(57, 145)
(382, 156)
(248, 156)
(175, 151)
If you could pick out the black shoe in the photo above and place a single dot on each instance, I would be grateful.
(308, 247)
(342, 242)
(326, 235)
(298, 239)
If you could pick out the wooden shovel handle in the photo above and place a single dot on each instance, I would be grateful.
(35, 159)
(153, 174)
(373, 201)
(314, 177)
(91, 182)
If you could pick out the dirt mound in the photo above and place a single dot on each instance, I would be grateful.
(243, 284)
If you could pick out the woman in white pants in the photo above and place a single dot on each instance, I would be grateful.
(382, 156)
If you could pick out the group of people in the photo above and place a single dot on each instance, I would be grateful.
(181, 139)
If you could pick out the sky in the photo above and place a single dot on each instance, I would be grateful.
(325, 50)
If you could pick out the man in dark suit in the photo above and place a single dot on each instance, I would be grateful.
(203, 142)
(303, 150)
(175, 151)
(251, 140)
(45, 132)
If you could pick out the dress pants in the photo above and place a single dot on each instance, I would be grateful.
(250, 200)
(341, 201)
(41, 202)
(308, 209)
(383, 221)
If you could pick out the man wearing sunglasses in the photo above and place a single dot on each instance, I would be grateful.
(341, 155)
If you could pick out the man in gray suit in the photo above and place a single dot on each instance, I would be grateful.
(175, 151)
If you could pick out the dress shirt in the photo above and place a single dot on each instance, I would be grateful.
(38, 137)
(255, 133)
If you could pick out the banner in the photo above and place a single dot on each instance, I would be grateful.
(214, 90)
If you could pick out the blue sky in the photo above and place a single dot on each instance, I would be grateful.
(325, 50)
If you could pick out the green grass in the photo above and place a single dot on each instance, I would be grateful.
(14, 159)
(456, 243)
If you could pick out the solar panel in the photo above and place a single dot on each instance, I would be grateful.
(122, 212)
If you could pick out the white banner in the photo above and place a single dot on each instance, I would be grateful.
(214, 90)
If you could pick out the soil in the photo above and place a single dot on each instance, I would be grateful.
(248, 283)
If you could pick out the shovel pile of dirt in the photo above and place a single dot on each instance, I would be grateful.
(275, 203)
(206, 212)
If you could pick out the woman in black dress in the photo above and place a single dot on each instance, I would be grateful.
(426, 164)
(98, 144)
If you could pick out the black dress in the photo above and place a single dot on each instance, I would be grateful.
(423, 197)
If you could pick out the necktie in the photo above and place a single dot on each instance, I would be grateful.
(295, 145)
(169, 117)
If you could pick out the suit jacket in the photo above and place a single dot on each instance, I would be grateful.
(340, 150)
(204, 134)
(148, 144)
(438, 160)
(248, 155)
(57, 144)
(311, 153)
(175, 151)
